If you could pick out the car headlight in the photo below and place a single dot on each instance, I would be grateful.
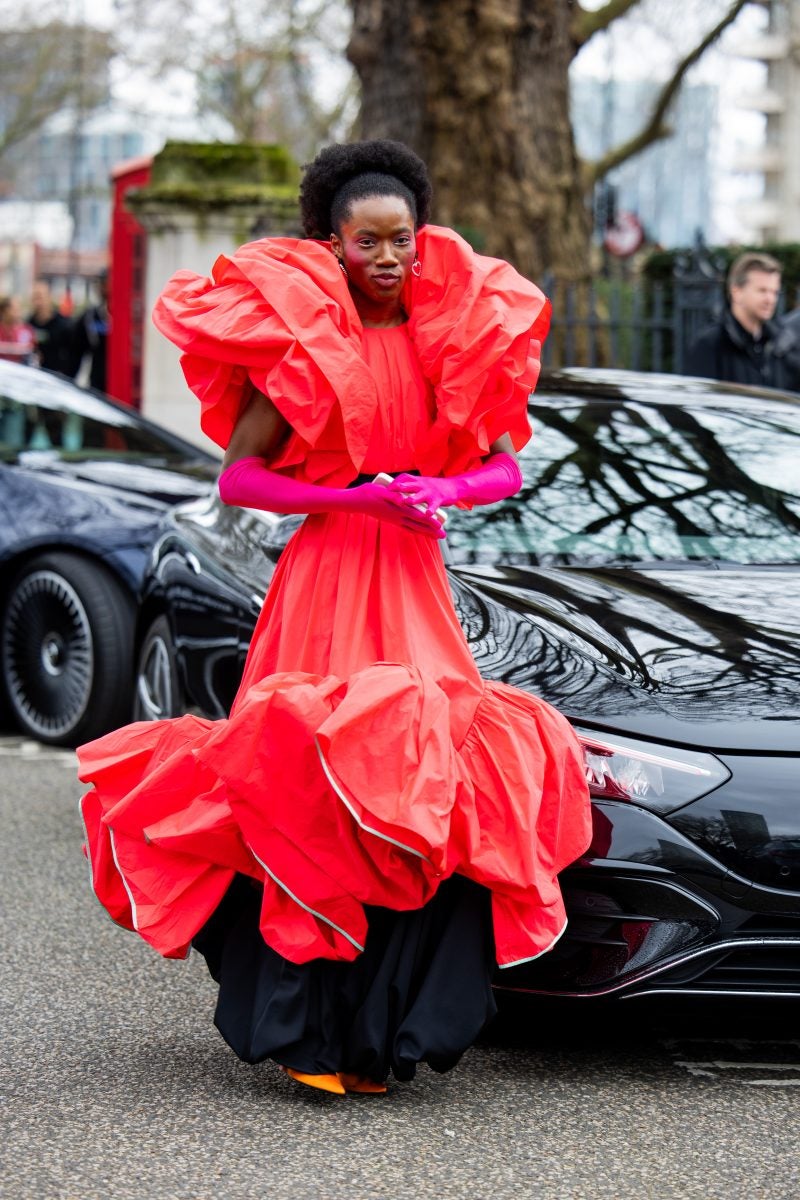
(659, 778)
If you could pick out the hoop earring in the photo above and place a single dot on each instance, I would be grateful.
(416, 267)
(342, 267)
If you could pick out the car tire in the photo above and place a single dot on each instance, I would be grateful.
(66, 650)
(158, 691)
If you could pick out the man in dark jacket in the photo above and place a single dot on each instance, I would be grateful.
(739, 347)
(51, 330)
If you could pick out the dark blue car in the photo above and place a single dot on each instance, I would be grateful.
(84, 484)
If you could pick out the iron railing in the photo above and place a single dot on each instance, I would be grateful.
(636, 324)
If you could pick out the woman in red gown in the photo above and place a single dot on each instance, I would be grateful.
(375, 828)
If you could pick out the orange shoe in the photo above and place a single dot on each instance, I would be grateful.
(323, 1083)
(361, 1084)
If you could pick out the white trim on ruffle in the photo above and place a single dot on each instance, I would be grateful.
(320, 916)
(88, 844)
(348, 805)
(519, 961)
(134, 918)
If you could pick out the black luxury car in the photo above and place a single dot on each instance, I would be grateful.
(646, 581)
(84, 485)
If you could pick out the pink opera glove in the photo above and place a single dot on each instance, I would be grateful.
(498, 478)
(250, 483)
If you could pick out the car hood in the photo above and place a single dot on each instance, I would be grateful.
(701, 656)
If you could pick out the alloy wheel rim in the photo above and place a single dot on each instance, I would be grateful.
(48, 654)
(154, 684)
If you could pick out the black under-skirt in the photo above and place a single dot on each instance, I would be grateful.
(419, 992)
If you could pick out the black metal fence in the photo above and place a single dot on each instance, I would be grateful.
(637, 324)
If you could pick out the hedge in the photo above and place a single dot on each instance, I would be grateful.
(659, 267)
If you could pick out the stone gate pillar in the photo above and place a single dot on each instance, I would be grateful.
(202, 201)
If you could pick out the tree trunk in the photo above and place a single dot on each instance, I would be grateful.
(479, 88)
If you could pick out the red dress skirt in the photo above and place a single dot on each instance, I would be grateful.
(373, 826)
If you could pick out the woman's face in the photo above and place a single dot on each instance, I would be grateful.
(377, 246)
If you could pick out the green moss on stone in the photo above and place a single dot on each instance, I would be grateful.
(243, 162)
(208, 177)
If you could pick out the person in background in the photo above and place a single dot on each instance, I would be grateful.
(89, 338)
(16, 338)
(52, 330)
(740, 346)
(787, 349)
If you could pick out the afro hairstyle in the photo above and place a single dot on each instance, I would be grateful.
(337, 165)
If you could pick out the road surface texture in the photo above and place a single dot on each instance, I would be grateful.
(114, 1085)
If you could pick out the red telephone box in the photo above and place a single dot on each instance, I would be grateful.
(128, 255)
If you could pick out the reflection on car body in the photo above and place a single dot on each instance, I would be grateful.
(645, 582)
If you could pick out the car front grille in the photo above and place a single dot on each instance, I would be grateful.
(615, 931)
(750, 966)
(632, 936)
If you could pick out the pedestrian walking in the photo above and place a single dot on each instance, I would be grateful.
(740, 346)
(375, 827)
(51, 329)
(90, 340)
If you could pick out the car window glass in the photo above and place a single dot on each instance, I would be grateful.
(621, 481)
(49, 415)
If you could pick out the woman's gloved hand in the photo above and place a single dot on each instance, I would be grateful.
(498, 478)
(381, 502)
(250, 483)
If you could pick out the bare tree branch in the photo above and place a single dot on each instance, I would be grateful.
(586, 23)
(255, 63)
(656, 128)
(45, 68)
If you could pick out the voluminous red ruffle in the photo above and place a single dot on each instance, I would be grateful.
(334, 795)
(279, 313)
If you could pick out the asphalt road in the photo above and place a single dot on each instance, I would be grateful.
(115, 1085)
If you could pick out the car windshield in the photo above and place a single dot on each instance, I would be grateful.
(41, 413)
(624, 481)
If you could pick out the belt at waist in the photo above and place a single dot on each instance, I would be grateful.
(359, 479)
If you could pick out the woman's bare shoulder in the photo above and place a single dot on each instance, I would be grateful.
(259, 430)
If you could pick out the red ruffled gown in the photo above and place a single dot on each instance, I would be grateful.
(375, 824)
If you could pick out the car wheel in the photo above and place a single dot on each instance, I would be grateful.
(158, 691)
(66, 650)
